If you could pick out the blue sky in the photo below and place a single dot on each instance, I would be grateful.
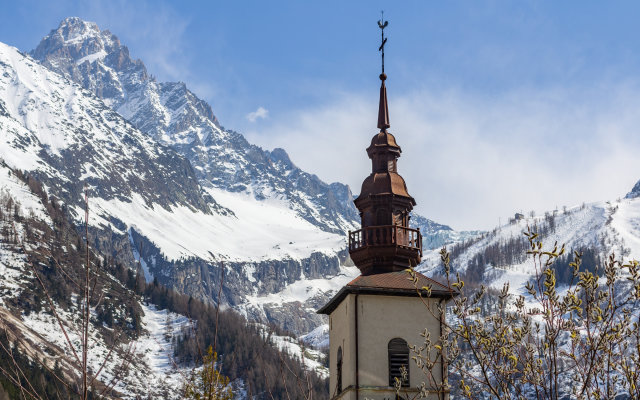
(499, 106)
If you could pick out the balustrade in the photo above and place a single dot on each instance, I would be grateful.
(386, 235)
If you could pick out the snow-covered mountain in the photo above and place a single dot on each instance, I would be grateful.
(173, 115)
(71, 139)
(39, 334)
(134, 345)
(499, 256)
(145, 196)
(279, 230)
(635, 191)
(435, 235)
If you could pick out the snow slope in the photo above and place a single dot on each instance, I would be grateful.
(257, 230)
(625, 225)
(11, 262)
(11, 186)
(604, 226)
(151, 370)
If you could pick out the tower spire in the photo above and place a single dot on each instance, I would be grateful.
(385, 243)
(383, 109)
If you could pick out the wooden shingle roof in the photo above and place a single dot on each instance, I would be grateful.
(396, 283)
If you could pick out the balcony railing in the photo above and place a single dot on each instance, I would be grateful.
(386, 235)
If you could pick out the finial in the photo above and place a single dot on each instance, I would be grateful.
(382, 24)
(383, 109)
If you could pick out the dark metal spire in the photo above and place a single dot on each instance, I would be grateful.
(383, 109)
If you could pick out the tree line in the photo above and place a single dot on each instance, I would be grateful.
(58, 254)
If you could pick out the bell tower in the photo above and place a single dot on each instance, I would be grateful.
(385, 242)
(376, 317)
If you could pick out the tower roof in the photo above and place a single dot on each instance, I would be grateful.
(384, 139)
(395, 283)
(384, 183)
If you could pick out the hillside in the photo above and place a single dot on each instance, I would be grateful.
(37, 245)
(141, 341)
(499, 256)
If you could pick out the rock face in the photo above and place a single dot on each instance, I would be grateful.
(635, 192)
(435, 235)
(257, 289)
(170, 187)
(70, 139)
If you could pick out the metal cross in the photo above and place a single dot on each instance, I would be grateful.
(382, 24)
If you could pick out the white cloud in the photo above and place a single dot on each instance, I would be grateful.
(260, 113)
(470, 159)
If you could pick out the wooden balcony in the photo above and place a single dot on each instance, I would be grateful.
(386, 236)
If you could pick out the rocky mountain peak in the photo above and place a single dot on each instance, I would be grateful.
(76, 29)
(173, 115)
(76, 39)
(93, 58)
(635, 191)
(68, 138)
(280, 155)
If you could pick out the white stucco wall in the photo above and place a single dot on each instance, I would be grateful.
(380, 319)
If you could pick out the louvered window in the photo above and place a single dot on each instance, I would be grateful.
(398, 357)
(391, 165)
(339, 367)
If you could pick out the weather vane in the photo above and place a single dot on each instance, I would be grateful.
(382, 24)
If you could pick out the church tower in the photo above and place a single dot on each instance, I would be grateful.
(375, 317)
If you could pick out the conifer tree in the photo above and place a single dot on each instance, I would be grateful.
(209, 383)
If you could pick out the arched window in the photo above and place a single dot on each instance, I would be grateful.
(398, 357)
(339, 367)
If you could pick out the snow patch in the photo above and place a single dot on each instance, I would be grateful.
(305, 289)
(310, 359)
(14, 187)
(317, 338)
(92, 57)
(148, 276)
(260, 230)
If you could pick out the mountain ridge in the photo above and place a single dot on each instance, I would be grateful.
(142, 335)
(280, 231)
(173, 115)
(66, 137)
